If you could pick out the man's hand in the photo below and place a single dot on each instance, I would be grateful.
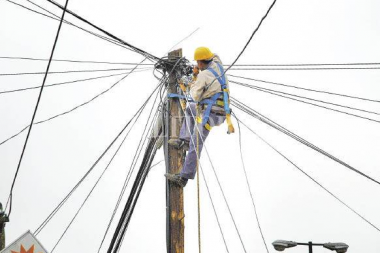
(195, 70)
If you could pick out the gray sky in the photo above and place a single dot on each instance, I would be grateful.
(290, 206)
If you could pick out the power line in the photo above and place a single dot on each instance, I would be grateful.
(253, 33)
(137, 50)
(306, 64)
(311, 178)
(249, 187)
(71, 110)
(67, 71)
(66, 22)
(307, 98)
(100, 177)
(34, 113)
(56, 209)
(320, 106)
(245, 108)
(313, 90)
(73, 61)
(330, 68)
(68, 82)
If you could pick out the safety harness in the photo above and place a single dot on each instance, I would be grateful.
(214, 100)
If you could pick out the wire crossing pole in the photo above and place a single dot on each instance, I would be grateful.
(3, 219)
(174, 160)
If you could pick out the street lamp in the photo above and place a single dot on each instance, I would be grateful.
(281, 245)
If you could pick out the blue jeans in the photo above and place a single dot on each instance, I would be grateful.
(189, 133)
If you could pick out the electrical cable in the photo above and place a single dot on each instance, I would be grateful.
(311, 178)
(218, 181)
(324, 107)
(74, 61)
(318, 91)
(99, 178)
(306, 64)
(68, 71)
(249, 187)
(137, 50)
(69, 111)
(68, 82)
(330, 68)
(92, 33)
(243, 107)
(34, 113)
(56, 209)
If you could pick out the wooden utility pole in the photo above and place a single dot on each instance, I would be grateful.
(3, 219)
(174, 160)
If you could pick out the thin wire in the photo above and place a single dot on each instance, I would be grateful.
(99, 178)
(318, 91)
(217, 179)
(208, 190)
(253, 34)
(137, 50)
(34, 113)
(237, 65)
(68, 71)
(74, 61)
(241, 106)
(56, 209)
(324, 107)
(68, 82)
(305, 64)
(68, 111)
(92, 33)
(249, 186)
(341, 68)
(311, 178)
(308, 98)
(126, 181)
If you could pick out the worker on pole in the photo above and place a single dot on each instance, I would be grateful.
(209, 93)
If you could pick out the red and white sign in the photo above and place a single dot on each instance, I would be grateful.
(27, 243)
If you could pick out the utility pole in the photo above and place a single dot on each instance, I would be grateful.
(3, 219)
(174, 161)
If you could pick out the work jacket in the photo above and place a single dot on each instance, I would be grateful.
(201, 88)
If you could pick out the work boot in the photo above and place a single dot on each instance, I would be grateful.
(179, 143)
(177, 179)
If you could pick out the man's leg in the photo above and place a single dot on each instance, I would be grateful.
(190, 164)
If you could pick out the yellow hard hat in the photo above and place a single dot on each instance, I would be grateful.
(202, 53)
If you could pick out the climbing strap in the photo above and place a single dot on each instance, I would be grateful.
(222, 80)
(198, 188)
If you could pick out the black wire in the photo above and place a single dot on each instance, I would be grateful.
(56, 209)
(253, 34)
(311, 178)
(126, 181)
(99, 178)
(245, 108)
(320, 106)
(68, 82)
(307, 98)
(344, 68)
(73, 61)
(296, 87)
(35, 111)
(67, 71)
(249, 186)
(137, 50)
(68, 111)
(306, 64)
(92, 33)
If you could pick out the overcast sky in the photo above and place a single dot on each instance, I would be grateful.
(290, 206)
